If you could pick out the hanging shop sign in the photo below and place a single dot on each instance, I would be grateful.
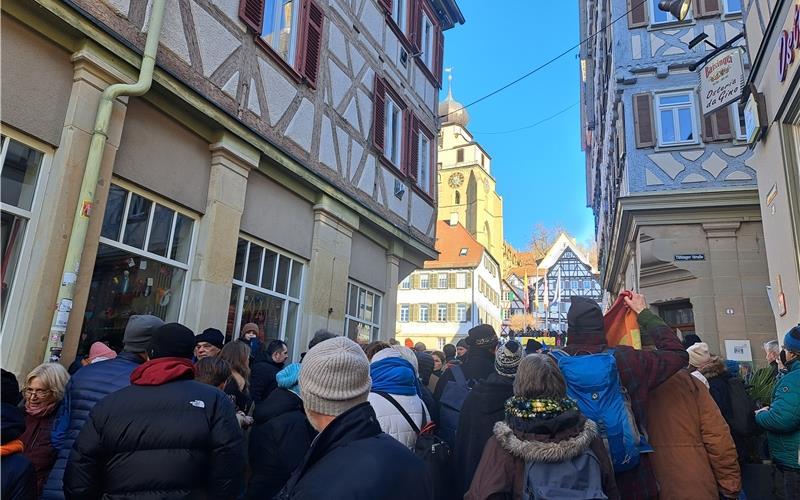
(721, 80)
(755, 118)
(788, 43)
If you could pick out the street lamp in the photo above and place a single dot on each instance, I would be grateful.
(678, 8)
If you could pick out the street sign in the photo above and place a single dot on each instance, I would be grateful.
(721, 80)
(690, 256)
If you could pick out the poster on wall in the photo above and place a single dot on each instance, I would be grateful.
(738, 350)
(721, 80)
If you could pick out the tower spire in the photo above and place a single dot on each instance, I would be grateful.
(449, 72)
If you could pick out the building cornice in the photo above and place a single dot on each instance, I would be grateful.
(679, 207)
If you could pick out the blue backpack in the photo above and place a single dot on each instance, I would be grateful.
(593, 383)
(450, 403)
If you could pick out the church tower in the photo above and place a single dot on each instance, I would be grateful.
(466, 186)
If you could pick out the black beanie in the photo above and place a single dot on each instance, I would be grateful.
(532, 346)
(10, 389)
(172, 340)
(690, 339)
(425, 366)
(212, 336)
(584, 317)
(482, 336)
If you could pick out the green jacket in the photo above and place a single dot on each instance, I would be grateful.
(782, 420)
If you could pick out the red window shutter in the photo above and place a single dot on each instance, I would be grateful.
(251, 12)
(708, 8)
(412, 168)
(707, 132)
(637, 13)
(416, 24)
(438, 60)
(643, 120)
(378, 112)
(386, 4)
(311, 17)
(723, 119)
(697, 8)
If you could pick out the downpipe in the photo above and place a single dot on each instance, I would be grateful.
(91, 175)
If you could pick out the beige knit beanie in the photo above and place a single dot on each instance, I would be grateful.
(698, 354)
(334, 377)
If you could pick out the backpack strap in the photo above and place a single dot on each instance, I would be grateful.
(403, 412)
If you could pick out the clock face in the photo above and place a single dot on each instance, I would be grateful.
(456, 180)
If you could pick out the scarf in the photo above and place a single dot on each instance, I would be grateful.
(395, 376)
(39, 409)
(162, 370)
(11, 448)
(525, 408)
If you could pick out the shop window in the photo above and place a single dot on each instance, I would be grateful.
(267, 287)
(21, 170)
(363, 314)
(141, 267)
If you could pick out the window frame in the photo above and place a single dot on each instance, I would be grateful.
(424, 307)
(405, 312)
(461, 312)
(691, 106)
(730, 13)
(461, 280)
(424, 186)
(294, 33)
(428, 57)
(432, 71)
(671, 20)
(405, 283)
(441, 312)
(377, 312)
(244, 285)
(427, 277)
(390, 108)
(32, 216)
(439, 277)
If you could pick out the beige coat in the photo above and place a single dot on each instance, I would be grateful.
(695, 458)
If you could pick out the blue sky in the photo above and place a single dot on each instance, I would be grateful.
(539, 171)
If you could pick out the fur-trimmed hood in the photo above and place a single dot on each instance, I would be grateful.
(547, 451)
(714, 368)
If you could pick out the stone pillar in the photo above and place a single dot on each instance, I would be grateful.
(728, 305)
(389, 313)
(92, 74)
(326, 293)
(215, 255)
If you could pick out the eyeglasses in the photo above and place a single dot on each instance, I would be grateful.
(37, 392)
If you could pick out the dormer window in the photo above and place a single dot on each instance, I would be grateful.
(463, 252)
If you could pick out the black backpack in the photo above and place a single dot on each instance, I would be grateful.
(743, 421)
(430, 448)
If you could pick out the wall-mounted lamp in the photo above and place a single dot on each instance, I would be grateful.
(678, 8)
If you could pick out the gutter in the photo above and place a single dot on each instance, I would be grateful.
(91, 175)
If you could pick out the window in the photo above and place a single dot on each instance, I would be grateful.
(393, 130)
(461, 313)
(676, 119)
(427, 33)
(404, 313)
(506, 314)
(424, 163)
(399, 12)
(442, 280)
(575, 285)
(587, 284)
(406, 283)
(423, 313)
(142, 265)
(463, 251)
(290, 30)
(658, 16)
(459, 155)
(363, 315)
(267, 288)
(737, 110)
(20, 171)
(457, 199)
(441, 313)
(732, 6)
(461, 280)
(424, 281)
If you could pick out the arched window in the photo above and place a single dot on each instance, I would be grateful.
(458, 198)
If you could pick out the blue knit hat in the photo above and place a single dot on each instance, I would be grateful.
(791, 341)
(287, 378)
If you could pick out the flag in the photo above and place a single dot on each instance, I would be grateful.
(525, 292)
(621, 324)
(536, 296)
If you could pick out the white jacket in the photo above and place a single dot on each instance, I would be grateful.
(392, 421)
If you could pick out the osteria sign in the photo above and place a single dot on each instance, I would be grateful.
(788, 42)
(721, 80)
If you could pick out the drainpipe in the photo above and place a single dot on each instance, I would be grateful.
(91, 176)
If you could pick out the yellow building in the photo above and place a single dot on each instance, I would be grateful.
(466, 186)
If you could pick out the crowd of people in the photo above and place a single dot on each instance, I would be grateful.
(179, 415)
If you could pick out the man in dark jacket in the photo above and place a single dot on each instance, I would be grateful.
(91, 384)
(478, 358)
(484, 407)
(280, 437)
(266, 365)
(351, 457)
(164, 436)
(639, 371)
(18, 478)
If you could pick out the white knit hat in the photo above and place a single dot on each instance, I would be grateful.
(334, 377)
(698, 354)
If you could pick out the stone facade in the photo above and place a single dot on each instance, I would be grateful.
(245, 158)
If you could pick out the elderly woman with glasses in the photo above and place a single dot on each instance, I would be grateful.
(43, 391)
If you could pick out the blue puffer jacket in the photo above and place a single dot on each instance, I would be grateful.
(85, 389)
(782, 420)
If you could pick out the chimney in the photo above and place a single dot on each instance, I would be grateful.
(453, 219)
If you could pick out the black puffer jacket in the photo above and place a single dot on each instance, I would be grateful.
(262, 376)
(279, 439)
(353, 459)
(175, 440)
(484, 407)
